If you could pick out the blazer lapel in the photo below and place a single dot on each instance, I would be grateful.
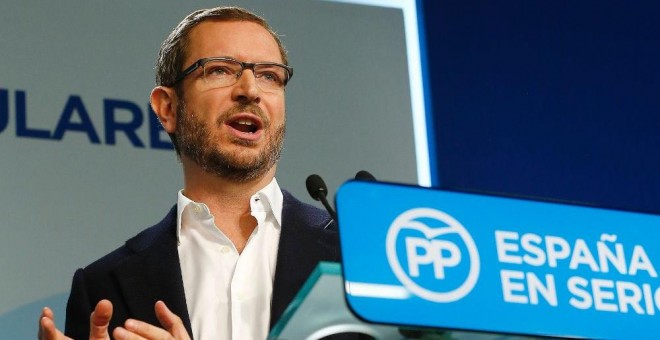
(153, 273)
(303, 243)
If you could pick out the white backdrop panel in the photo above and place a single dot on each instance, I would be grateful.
(66, 202)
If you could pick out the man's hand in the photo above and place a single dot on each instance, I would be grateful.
(47, 329)
(138, 330)
(99, 321)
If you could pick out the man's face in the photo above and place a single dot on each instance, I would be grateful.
(235, 132)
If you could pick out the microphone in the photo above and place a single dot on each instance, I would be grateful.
(364, 175)
(318, 190)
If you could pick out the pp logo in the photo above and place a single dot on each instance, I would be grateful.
(432, 255)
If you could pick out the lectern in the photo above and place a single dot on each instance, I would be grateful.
(320, 310)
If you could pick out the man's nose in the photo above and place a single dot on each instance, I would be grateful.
(246, 89)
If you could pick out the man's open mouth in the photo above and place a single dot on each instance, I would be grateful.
(244, 125)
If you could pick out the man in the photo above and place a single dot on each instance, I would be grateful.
(230, 256)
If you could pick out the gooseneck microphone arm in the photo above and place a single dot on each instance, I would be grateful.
(319, 191)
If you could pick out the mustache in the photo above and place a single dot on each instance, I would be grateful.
(239, 108)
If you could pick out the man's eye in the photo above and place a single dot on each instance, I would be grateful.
(218, 71)
(271, 77)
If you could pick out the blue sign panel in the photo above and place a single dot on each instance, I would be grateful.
(422, 257)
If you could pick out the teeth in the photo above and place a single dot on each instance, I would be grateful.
(244, 122)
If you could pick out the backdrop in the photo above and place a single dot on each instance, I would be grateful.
(85, 165)
(546, 99)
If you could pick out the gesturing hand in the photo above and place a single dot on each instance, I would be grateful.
(47, 329)
(99, 321)
(139, 330)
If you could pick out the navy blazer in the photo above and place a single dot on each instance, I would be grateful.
(146, 269)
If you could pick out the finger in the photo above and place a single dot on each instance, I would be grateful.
(135, 329)
(170, 321)
(99, 321)
(46, 328)
(47, 312)
(121, 333)
(48, 331)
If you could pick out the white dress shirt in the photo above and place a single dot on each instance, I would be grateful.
(229, 294)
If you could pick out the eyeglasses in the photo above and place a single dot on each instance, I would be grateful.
(223, 72)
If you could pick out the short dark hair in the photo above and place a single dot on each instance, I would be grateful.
(173, 50)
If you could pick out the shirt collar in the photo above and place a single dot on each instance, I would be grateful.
(271, 195)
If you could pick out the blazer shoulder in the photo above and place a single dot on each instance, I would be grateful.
(306, 215)
(166, 228)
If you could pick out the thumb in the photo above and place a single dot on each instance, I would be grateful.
(99, 321)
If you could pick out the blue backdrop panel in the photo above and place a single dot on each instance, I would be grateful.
(553, 99)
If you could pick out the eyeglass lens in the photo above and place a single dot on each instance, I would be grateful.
(221, 73)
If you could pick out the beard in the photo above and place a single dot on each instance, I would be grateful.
(194, 139)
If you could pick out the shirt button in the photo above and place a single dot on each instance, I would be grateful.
(224, 249)
(198, 209)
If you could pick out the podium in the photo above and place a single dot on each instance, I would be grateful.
(320, 310)
(421, 263)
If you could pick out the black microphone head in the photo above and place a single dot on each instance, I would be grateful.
(316, 186)
(364, 175)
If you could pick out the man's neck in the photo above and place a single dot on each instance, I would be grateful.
(228, 201)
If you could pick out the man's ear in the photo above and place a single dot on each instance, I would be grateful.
(164, 102)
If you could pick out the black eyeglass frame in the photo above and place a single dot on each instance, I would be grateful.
(250, 66)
